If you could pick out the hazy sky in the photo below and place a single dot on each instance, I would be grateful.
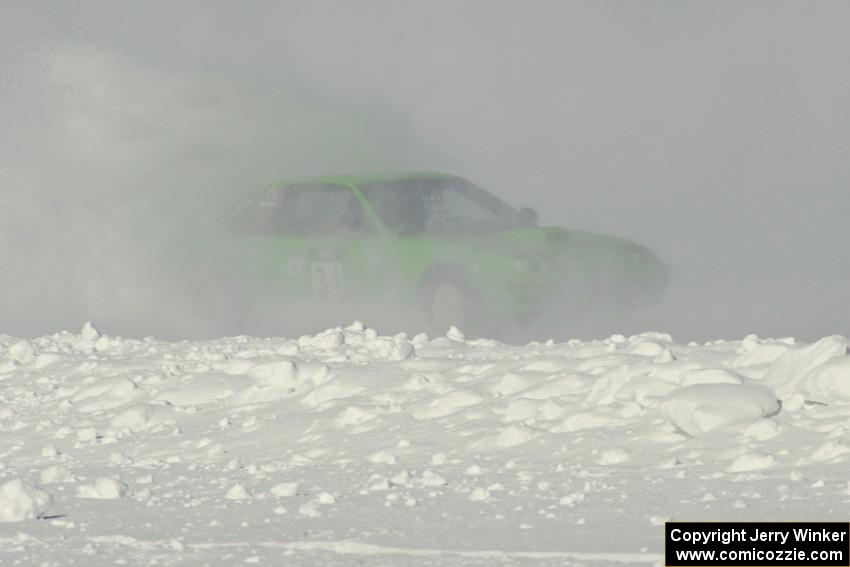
(718, 133)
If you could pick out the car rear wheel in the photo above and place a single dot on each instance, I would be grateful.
(450, 302)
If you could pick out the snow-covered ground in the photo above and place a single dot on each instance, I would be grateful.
(352, 448)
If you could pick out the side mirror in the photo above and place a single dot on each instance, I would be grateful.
(528, 216)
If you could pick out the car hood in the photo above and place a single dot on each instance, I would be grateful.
(591, 254)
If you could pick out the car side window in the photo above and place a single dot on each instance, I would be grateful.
(319, 210)
(453, 210)
(266, 214)
(301, 210)
(437, 206)
(400, 209)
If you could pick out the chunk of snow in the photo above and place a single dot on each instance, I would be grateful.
(703, 408)
(514, 435)
(645, 390)
(756, 352)
(134, 420)
(353, 416)
(326, 340)
(56, 474)
(752, 461)
(613, 456)
(50, 451)
(283, 373)
(510, 384)
(326, 498)
(455, 334)
(104, 394)
(829, 451)
(104, 488)
(87, 434)
(763, 429)
(449, 403)
(22, 352)
(402, 479)
(237, 492)
(647, 347)
(285, 489)
(582, 420)
(711, 376)
(310, 509)
(571, 499)
(89, 332)
(432, 479)
(789, 369)
(20, 500)
(480, 495)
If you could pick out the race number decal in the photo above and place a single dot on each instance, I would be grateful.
(327, 281)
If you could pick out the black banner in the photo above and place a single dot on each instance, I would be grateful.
(762, 544)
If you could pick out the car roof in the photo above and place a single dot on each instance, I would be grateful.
(368, 178)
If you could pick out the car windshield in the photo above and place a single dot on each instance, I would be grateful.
(438, 205)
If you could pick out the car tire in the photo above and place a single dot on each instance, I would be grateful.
(449, 301)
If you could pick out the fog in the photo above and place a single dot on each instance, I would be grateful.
(717, 134)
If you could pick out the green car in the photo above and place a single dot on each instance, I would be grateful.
(427, 245)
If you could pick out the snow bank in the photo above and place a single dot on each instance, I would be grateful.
(828, 383)
(786, 373)
(348, 428)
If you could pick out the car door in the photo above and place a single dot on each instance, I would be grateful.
(312, 243)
